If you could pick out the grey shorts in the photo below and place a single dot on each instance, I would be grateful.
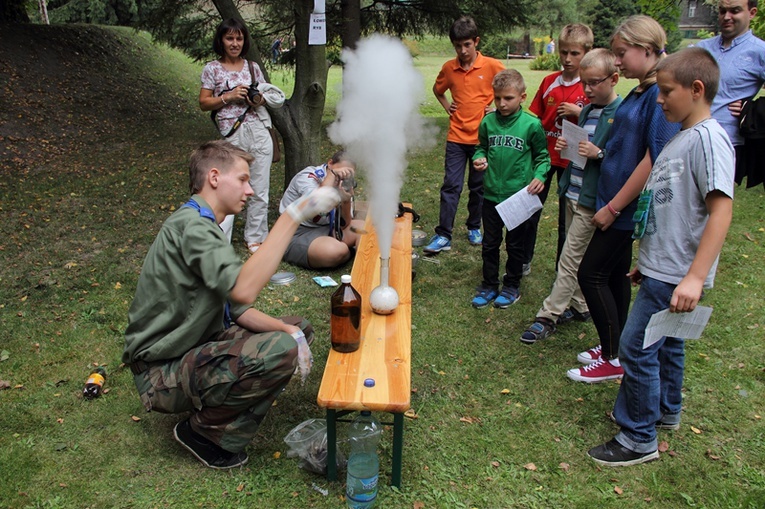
(297, 251)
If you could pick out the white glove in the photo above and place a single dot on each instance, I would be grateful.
(319, 201)
(305, 357)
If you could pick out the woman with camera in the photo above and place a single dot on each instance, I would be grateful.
(235, 91)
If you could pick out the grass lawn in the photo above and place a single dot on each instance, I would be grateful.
(498, 423)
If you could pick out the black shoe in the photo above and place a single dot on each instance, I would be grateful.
(205, 451)
(571, 314)
(614, 454)
(537, 331)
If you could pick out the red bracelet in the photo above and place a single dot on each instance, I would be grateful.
(612, 210)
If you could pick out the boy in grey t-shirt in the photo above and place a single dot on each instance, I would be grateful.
(683, 228)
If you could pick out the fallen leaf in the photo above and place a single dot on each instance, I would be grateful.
(4, 355)
(663, 446)
(618, 490)
(488, 320)
(470, 420)
(277, 455)
(411, 414)
(495, 464)
(696, 430)
(60, 420)
(70, 265)
(62, 485)
(756, 416)
(296, 298)
(418, 505)
(749, 237)
(135, 418)
(564, 466)
(712, 456)
(672, 453)
(240, 487)
(5, 384)
(117, 285)
(505, 391)
(530, 466)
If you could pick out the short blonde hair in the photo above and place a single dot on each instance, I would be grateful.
(600, 58)
(644, 32)
(219, 154)
(577, 33)
(508, 78)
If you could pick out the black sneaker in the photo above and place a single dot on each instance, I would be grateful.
(205, 451)
(571, 314)
(614, 454)
(537, 331)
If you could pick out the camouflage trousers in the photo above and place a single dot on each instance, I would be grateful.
(229, 383)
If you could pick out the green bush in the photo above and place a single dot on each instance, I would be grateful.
(704, 34)
(413, 47)
(545, 62)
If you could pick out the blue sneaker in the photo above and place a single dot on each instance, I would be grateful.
(475, 238)
(437, 244)
(507, 296)
(483, 297)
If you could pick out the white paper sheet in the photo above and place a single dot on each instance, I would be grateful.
(518, 208)
(317, 30)
(676, 325)
(574, 134)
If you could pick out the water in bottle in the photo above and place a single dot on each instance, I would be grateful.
(94, 384)
(363, 463)
(345, 322)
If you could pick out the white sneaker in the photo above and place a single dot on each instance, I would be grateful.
(590, 356)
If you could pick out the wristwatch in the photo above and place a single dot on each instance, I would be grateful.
(601, 154)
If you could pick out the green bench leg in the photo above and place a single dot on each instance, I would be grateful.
(331, 445)
(398, 449)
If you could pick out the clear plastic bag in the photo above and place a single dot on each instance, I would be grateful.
(308, 441)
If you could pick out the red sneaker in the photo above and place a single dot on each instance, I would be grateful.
(599, 371)
(590, 356)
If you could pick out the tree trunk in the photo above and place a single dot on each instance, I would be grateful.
(351, 11)
(299, 121)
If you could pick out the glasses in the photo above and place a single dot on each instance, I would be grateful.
(593, 84)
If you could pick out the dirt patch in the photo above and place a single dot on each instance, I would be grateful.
(75, 88)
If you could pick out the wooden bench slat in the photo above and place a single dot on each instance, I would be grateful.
(385, 352)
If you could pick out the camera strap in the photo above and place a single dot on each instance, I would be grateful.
(240, 118)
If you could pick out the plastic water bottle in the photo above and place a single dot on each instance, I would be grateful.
(94, 384)
(363, 463)
(345, 322)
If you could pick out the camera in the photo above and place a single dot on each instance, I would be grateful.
(253, 94)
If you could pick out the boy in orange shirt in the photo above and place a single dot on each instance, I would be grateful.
(560, 96)
(468, 79)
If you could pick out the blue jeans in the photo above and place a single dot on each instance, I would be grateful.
(653, 377)
(459, 155)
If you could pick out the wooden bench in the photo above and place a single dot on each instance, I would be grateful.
(385, 351)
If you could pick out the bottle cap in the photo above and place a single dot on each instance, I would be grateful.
(369, 382)
(345, 279)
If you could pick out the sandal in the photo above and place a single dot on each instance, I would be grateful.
(537, 331)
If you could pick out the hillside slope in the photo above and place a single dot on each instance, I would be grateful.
(82, 88)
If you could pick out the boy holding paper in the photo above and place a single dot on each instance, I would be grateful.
(688, 208)
(512, 151)
(577, 188)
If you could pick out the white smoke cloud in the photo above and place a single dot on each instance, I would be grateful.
(378, 121)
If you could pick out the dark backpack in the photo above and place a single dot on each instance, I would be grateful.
(752, 120)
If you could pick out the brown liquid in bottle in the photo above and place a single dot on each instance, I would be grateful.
(345, 321)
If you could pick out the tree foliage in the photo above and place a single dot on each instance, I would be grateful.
(667, 13)
(606, 15)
